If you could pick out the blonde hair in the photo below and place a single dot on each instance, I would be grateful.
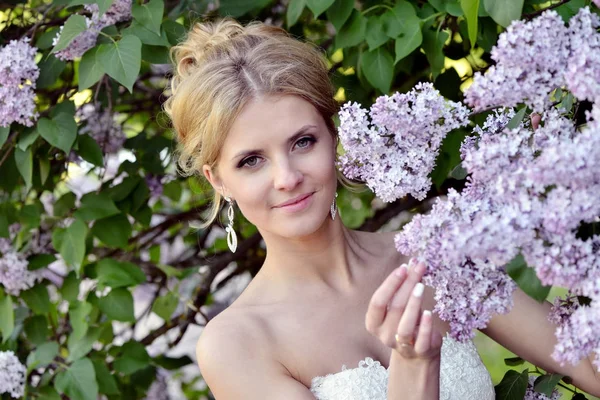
(219, 68)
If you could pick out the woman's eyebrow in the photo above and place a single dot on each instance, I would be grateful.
(292, 138)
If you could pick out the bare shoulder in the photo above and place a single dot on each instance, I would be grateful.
(236, 361)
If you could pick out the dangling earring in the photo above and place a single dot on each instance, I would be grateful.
(333, 209)
(231, 236)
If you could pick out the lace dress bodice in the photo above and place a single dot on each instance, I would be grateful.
(462, 377)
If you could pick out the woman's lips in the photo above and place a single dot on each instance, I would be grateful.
(299, 205)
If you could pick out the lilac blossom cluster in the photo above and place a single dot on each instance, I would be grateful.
(527, 193)
(413, 124)
(119, 11)
(531, 58)
(14, 275)
(102, 126)
(155, 185)
(18, 74)
(12, 375)
(531, 394)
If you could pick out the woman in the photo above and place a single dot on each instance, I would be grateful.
(252, 109)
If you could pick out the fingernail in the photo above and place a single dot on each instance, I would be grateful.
(418, 290)
(400, 270)
(427, 313)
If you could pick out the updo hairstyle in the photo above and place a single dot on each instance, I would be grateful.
(220, 67)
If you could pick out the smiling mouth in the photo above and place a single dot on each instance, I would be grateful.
(303, 197)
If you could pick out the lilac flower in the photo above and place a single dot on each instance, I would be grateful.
(562, 309)
(159, 388)
(583, 67)
(14, 275)
(531, 394)
(530, 57)
(578, 337)
(18, 74)
(119, 11)
(12, 375)
(155, 185)
(102, 127)
(413, 125)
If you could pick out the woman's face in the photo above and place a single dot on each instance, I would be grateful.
(277, 151)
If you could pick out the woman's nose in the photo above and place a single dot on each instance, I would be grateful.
(286, 176)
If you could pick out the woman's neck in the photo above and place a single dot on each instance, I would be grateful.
(329, 258)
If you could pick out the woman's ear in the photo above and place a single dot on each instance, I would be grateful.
(213, 178)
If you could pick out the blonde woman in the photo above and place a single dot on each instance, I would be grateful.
(252, 109)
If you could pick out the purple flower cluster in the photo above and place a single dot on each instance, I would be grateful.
(12, 375)
(14, 275)
(155, 185)
(412, 124)
(528, 192)
(102, 126)
(18, 74)
(531, 58)
(119, 11)
(531, 394)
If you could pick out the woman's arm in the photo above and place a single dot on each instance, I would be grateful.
(235, 366)
(526, 331)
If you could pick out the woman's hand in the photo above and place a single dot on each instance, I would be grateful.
(394, 316)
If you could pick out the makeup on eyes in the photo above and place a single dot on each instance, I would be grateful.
(243, 162)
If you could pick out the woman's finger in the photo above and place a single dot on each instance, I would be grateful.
(400, 300)
(424, 336)
(410, 318)
(382, 297)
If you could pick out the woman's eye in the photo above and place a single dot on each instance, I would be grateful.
(304, 142)
(250, 161)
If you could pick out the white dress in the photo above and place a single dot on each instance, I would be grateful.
(462, 377)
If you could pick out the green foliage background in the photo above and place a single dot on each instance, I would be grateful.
(115, 233)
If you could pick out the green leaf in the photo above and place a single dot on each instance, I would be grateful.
(513, 386)
(169, 271)
(7, 317)
(375, 34)
(353, 31)
(96, 206)
(42, 356)
(122, 60)
(89, 150)
(165, 306)
(78, 317)
(72, 27)
(66, 107)
(400, 20)
(70, 287)
(116, 274)
(237, 8)
(339, 12)
(378, 67)
(80, 346)
(27, 138)
(174, 30)
(133, 358)
(513, 361)
(31, 215)
(545, 384)
(47, 393)
(78, 382)
(50, 69)
(38, 261)
(63, 205)
(171, 363)
(504, 11)
(72, 246)
(526, 278)
(113, 231)
(44, 169)
(90, 69)
(470, 8)
(408, 41)
(293, 12)
(433, 43)
(517, 119)
(155, 54)
(4, 131)
(36, 329)
(149, 14)
(24, 161)
(318, 6)
(117, 305)
(107, 383)
(60, 132)
(44, 41)
(37, 299)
